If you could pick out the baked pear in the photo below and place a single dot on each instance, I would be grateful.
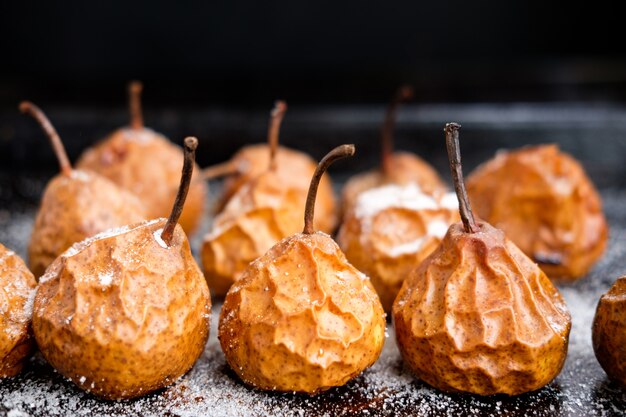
(399, 168)
(478, 315)
(127, 311)
(292, 167)
(302, 318)
(17, 291)
(261, 213)
(147, 164)
(76, 204)
(609, 332)
(391, 230)
(544, 202)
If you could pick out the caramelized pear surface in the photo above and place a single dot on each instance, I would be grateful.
(73, 208)
(148, 165)
(545, 203)
(17, 290)
(391, 230)
(301, 318)
(479, 316)
(609, 331)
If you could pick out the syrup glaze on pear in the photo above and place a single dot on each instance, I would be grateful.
(399, 168)
(147, 164)
(302, 318)
(76, 204)
(478, 315)
(126, 312)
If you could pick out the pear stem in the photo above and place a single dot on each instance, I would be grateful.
(134, 101)
(340, 152)
(31, 109)
(403, 94)
(219, 170)
(276, 118)
(191, 144)
(456, 169)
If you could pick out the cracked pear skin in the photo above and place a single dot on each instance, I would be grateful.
(17, 288)
(609, 332)
(294, 168)
(479, 316)
(148, 165)
(391, 231)
(74, 207)
(544, 202)
(260, 214)
(405, 168)
(122, 314)
(301, 318)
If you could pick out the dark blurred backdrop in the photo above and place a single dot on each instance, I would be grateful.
(246, 53)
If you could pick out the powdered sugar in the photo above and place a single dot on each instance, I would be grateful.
(159, 239)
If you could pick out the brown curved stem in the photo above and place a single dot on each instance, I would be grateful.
(454, 157)
(191, 144)
(340, 152)
(276, 118)
(403, 94)
(134, 101)
(29, 108)
(219, 170)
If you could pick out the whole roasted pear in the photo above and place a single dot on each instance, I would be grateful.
(262, 212)
(478, 315)
(17, 290)
(292, 168)
(544, 202)
(301, 318)
(147, 164)
(126, 312)
(76, 204)
(399, 168)
(391, 230)
(609, 331)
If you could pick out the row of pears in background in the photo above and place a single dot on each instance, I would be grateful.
(338, 333)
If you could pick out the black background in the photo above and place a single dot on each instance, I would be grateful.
(247, 53)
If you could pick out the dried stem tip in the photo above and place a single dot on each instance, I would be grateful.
(403, 94)
(134, 99)
(276, 118)
(29, 108)
(191, 144)
(454, 157)
(340, 152)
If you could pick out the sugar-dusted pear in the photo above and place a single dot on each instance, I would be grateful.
(127, 311)
(147, 164)
(478, 315)
(609, 332)
(17, 291)
(262, 212)
(293, 169)
(399, 168)
(545, 203)
(391, 230)
(76, 204)
(301, 318)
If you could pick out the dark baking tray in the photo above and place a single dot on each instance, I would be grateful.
(595, 134)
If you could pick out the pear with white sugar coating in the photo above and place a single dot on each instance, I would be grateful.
(478, 315)
(126, 312)
(301, 318)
